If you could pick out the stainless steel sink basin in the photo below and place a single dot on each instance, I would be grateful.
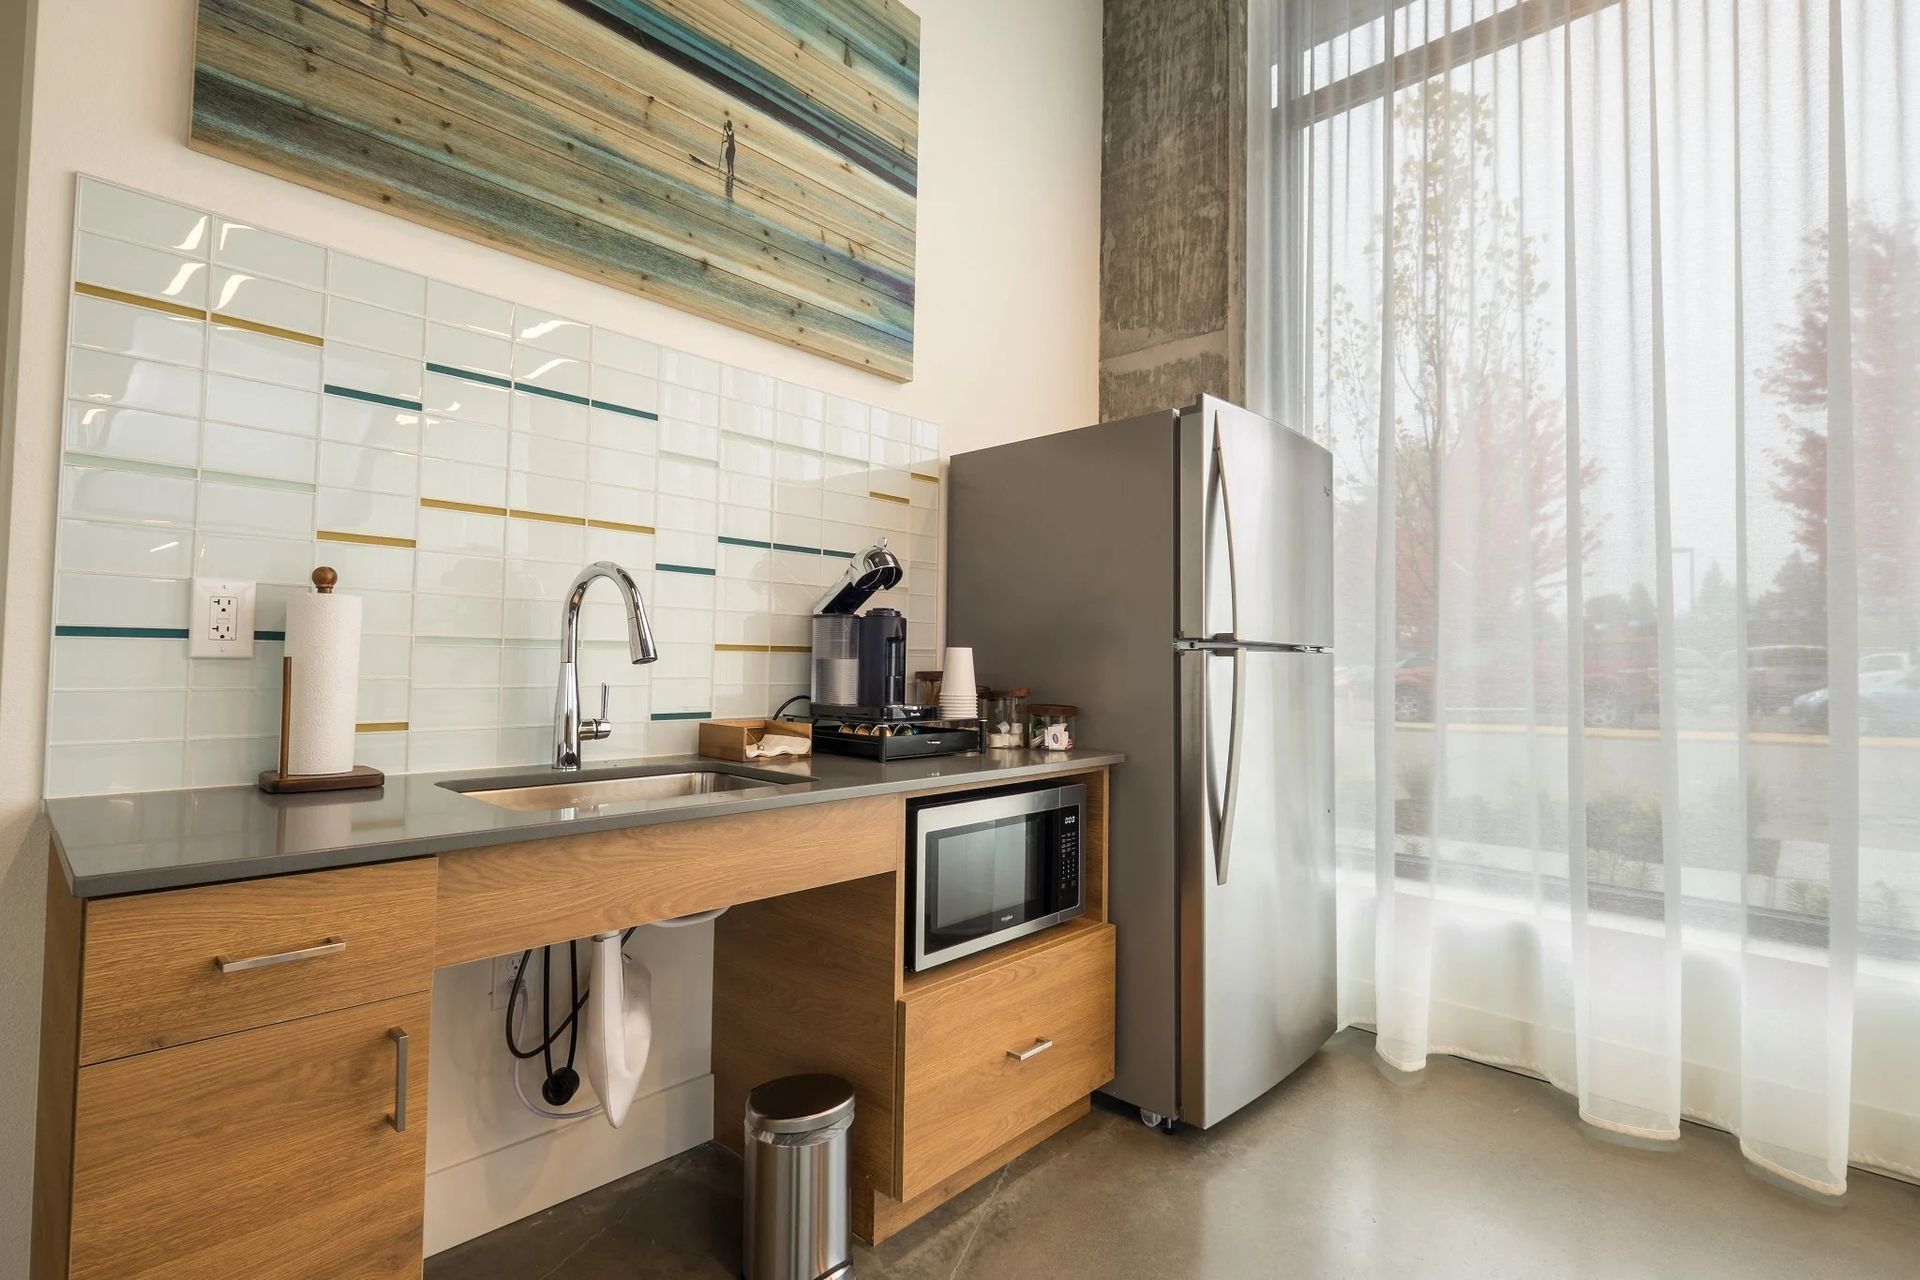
(592, 788)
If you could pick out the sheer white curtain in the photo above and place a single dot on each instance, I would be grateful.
(1610, 313)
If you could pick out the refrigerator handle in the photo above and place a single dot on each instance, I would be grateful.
(1226, 513)
(1230, 798)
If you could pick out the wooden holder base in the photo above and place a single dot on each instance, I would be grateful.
(361, 775)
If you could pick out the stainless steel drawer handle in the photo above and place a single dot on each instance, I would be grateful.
(399, 1116)
(1022, 1055)
(331, 947)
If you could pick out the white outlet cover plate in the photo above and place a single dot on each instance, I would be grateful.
(504, 968)
(203, 623)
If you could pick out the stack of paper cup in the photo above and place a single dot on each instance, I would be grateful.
(958, 699)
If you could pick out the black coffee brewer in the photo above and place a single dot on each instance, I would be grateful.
(859, 690)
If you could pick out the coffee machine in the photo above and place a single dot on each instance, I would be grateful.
(859, 693)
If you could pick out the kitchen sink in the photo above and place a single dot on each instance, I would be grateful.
(591, 788)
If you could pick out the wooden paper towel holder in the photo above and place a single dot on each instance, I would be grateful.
(280, 781)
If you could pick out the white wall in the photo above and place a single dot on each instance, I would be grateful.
(1006, 346)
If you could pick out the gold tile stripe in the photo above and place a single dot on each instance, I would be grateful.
(381, 726)
(929, 479)
(789, 648)
(620, 526)
(740, 648)
(547, 516)
(888, 497)
(271, 330)
(135, 300)
(471, 508)
(365, 539)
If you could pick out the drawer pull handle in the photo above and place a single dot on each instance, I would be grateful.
(399, 1116)
(1022, 1055)
(331, 947)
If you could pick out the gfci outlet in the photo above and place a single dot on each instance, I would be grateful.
(220, 619)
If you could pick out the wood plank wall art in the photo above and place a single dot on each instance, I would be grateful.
(753, 161)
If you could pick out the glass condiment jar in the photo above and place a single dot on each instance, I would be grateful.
(1006, 715)
(1050, 726)
(926, 688)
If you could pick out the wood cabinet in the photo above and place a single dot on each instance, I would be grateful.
(275, 1152)
(234, 1079)
(994, 1053)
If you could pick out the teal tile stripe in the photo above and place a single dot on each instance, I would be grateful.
(746, 542)
(682, 715)
(684, 568)
(629, 410)
(551, 394)
(796, 549)
(470, 375)
(144, 633)
(495, 380)
(371, 397)
(123, 633)
(839, 555)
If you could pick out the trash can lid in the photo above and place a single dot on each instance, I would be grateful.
(799, 1104)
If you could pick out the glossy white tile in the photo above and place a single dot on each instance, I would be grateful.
(266, 253)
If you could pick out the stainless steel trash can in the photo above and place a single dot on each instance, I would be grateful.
(797, 1196)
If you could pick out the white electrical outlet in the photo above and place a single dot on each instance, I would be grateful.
(504, 967)
(220, 619)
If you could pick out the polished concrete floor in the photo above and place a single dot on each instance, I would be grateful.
(1347, 1170)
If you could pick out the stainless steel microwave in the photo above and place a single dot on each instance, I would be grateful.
(988, 867)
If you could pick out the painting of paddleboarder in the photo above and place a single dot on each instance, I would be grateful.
(726, 157)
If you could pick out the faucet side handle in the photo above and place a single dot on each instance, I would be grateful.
(602, 727)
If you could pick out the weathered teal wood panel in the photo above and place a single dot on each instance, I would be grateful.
(754, 161)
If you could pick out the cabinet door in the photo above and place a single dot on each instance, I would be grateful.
(272, 1153)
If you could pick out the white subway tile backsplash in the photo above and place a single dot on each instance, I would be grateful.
(140, 332)
(132, 434)
(450, 304)
(536, 328)
(390, 287)
(456, 458)
(261, 404)
(264, 301)
(101, 377)
(134, 215)
(266, 253)
(365, 325)
(133, 268)
(125, 548)
(109, 493)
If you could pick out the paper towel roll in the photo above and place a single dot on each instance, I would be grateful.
(323, 642)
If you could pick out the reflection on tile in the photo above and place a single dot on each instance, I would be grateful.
(265, 253)
(132, 268)
(450, 304)
(262, 404)
(134, 215)
(253, 354)
(102, 378)
(141, 332)
(264, 301)
(249, 452)
(132, 434)
(383, 286)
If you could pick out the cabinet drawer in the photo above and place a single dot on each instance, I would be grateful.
(152, 972)
(965, 1089)
(271, 1153)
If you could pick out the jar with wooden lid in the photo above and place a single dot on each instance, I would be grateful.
(1006, 717)
(1050, 726)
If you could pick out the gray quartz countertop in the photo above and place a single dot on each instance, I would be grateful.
(141, 841)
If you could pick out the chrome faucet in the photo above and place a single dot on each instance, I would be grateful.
(568, 729)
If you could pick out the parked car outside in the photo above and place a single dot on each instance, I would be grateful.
(1777, 674)
(1888, 708)
(1621, 681)
(1884, 668)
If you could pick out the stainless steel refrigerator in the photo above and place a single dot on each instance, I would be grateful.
(1172, 576)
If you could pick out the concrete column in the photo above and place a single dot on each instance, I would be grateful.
(1172, 204)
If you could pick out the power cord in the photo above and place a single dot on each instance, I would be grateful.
(562, 1083)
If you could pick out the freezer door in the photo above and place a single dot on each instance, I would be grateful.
(1256, 873)
(1256, 529)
